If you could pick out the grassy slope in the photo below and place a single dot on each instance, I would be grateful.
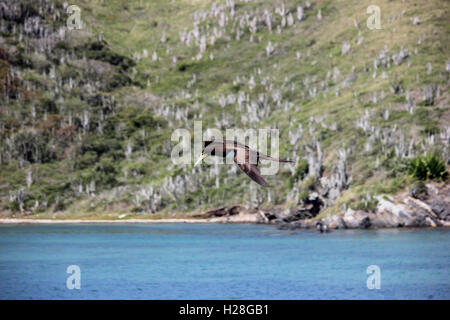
(132, 26)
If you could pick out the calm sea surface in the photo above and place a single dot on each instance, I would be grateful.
(220, 261)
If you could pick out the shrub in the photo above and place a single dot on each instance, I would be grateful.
(310, 183)
(118, 80)
(432, 127)
(60, 205)
(99, 145)
(304, 195)
(300, 172)
(100, 51)
(367, 203)
(426, 167)
(47, 104)
(33, 147)
(106, 172)
(135, 118)
(13, 206)
(86, 160)
(396, 85)
(137, 169)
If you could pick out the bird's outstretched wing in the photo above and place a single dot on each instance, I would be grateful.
(245, 150)
(253, 172)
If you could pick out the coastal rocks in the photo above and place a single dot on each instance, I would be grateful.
(220, 212)
(321, 227)
(439, 201)
(335, 222)
(441, 209)
(313, 204)
(233, 214)
(398, 214)
(274, 215)
(429, 208)
(391, 215)
(356, 219)
(309, 208)
(423, 206)
(418, 190)
(240, 214)
(404, 211)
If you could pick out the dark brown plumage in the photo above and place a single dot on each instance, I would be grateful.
(245, 158)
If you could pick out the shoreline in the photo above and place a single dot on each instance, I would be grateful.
(221, 220)
(236, 218)
(87, 221)
(143, 221)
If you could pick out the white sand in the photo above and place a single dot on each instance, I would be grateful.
(61, 221)
(244, 218)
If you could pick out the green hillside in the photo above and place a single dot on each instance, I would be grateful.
(86, 116)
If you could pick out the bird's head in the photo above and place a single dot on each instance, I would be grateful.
(208, 150)
(203, 156)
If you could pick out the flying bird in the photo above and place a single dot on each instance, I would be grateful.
(245, 158)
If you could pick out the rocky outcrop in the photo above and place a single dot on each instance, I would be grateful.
(280, 215)
(355, 219)
(309, 208)
(233, 214)
(406, 211)
(220, 212)
(431, 208)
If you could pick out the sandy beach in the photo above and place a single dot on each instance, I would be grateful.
(82, 221)
(241, 218)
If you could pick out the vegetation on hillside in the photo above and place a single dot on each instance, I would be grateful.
(86, 116)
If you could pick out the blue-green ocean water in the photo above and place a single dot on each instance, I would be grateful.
(221, 261)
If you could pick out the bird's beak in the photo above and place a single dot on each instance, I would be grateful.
(203, 156)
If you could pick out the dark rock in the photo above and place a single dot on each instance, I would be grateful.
(299, 224)
(309, 209)
(423, 206)
(418, 190)
(439, 201)
(220, 212)
(440, 208)
(313, 204)
(321, 226)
